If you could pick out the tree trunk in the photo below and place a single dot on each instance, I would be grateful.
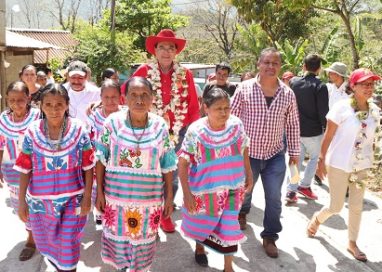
(354, 49)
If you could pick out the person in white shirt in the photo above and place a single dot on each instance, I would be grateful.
(347, 155)
(81, 92)
(337, 86)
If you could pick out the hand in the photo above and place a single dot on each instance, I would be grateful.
(249, 184)
(1, 179)
(92, 106)
(168, 208)
(189, 203)
(85, 205)
(321, 169)
(100, 201)
(293, 160)
(23, 211)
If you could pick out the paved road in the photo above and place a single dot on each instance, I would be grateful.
(327, 252)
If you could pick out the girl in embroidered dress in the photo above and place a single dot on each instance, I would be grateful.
(215, 173)
(13, 123)
(349, 148)
(135, 164)
(110, 95)
(56, 165)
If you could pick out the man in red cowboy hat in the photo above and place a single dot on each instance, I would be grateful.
(176, 99)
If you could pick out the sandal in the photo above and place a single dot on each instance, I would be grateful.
(201, 259)
(27, 252)
(313, 226)
(358, 254)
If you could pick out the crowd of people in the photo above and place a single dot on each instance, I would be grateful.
(68, 149)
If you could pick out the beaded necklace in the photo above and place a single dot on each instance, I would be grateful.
(55, 145)
(138, 137)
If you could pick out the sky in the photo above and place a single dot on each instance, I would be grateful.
(46, 20)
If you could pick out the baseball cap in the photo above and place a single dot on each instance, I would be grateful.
(337, 67)
(362, 74)
(77, 68)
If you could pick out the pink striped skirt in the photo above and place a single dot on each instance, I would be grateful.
(57, 229)
(215, 223)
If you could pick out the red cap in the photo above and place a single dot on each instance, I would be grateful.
(287, 75)
(362, 74)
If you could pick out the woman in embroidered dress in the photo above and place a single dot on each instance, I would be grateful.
(13, 123)
(175, 96)
(110, 95)
(135, 164)
(347, 154)
(215, 173)
(28, 75)
(56, 165)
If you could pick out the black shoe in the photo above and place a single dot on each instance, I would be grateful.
(201, 259)
(317, 180)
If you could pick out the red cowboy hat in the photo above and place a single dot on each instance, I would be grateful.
(165, 35)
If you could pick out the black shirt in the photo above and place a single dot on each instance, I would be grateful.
(312, 101)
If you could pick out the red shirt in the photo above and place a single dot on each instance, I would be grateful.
(166, 81)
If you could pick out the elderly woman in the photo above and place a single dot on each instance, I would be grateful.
(175, 96)
(135, 164)
(348, 151)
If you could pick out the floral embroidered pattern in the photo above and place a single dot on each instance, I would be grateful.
(155, 219)
(134, 156)
(109, 216)
(179, 89)
(222, 199)
(134, 221)
(361, 138)
(57, 163)
(105, 138)
(199, 203)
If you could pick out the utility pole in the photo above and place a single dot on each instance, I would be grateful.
(2, 52)
(112, 23)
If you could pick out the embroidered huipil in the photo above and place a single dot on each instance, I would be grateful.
(216, 180)
(133, 188)
(56, 173)
(11, 138)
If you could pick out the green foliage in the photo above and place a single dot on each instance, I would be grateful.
(100, 50)
(275, 18)
(252, 39)
(292, 54)
(55, 65)
(145, 18)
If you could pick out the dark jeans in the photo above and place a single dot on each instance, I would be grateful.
(272, 172)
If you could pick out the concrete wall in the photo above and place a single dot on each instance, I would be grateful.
(2, 23)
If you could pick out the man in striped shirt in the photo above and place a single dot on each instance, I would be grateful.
(269, 113)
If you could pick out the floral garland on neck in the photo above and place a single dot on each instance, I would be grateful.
(374, 112)
(179, 89)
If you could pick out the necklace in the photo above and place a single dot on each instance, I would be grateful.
(138, 138)
(55, 144)
(13, 119)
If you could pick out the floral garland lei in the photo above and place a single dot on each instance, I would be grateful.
(359, 142)
(179, 89)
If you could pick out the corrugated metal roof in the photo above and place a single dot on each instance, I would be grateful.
(63, 42)
(63, 39)
(20, 41)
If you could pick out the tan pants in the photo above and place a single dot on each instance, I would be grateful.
(338, 184)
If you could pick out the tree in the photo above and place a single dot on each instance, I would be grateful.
(100, 51)
(67, 13)
(220, 20)
(146, 17)
(345, 10)
(275, 18)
